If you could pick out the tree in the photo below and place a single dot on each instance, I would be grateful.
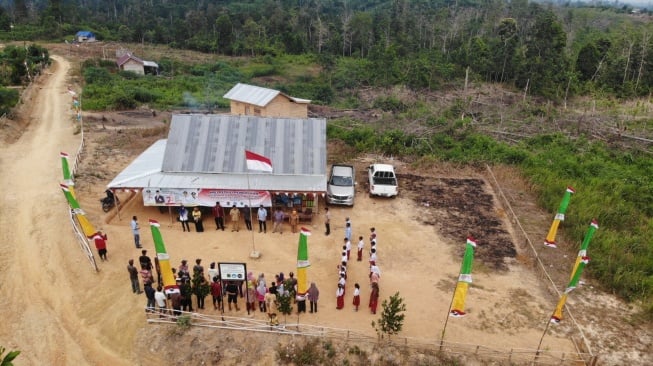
(284, 304)
(5, 360)
(392, 317)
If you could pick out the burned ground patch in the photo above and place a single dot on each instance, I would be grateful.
(462, 207)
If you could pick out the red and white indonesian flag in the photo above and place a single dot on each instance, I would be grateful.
(258, 162)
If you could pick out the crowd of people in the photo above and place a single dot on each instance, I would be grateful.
(374, 272)
(196, 284)
(255, 292)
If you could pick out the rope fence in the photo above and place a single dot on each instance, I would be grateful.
(542, 269)
(514, 355)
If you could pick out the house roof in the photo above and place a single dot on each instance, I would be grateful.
(208, 151)
(257, 95)
(84, 34)
(128, 56)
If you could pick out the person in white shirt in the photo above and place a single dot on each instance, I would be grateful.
(160, 299)
(361, 245)
(262, 215)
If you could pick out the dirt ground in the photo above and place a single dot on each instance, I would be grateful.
(61, 312)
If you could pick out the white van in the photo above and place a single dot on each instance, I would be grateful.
(341, 186)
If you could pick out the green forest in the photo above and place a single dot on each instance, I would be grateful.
(328, 51)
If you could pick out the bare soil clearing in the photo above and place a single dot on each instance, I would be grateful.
(60, 312)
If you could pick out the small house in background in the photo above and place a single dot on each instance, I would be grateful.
(84, 37)
(128, 62)
(253, 100)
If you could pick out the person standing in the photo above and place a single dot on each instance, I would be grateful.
(146, 276)
(374, 297)
(278, 221)
(313, 295)
(183, 218)
(361, 245)
(160, 299)
(348, 229)
(340, 297)
(212, 272)
(262, 216)
(234, 213)
(347, 247)
(175, 302)
(357, 296)
(186, 291)
(301, 303)
(197, 219)
(248, 217)
(216, 293)
(232, 294)
(327, 221)
(136, 231)
(100, 240)
(261, 291)
(144, 260)
(294, 221)
(133, 277)
(149, 294)
(198, 268)
(218, 214)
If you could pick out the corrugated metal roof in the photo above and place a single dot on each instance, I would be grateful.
(257, 95)
(208, 151)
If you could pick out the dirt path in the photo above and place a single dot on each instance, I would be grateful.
(43, 280)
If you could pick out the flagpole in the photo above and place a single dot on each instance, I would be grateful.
(254, 253)
(447, 320)
(537, 353)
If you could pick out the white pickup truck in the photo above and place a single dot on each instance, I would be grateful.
(383, 181)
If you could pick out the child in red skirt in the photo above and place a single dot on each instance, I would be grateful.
(357, 296)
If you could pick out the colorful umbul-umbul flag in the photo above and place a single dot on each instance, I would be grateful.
(302, 261)
(581, 261)
(169, 283)
(550, 240)
(464, 279)
(86, 225)
(67, 176)
(258, 162)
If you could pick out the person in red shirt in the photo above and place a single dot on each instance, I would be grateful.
(218, 215)
(100, 240)
(216, 293)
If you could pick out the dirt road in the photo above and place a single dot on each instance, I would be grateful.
(44, 280)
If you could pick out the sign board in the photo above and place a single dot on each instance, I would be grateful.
(232, 271)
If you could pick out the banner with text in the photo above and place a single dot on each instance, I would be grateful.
(205, 197)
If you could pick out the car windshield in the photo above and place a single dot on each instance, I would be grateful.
(341, 181)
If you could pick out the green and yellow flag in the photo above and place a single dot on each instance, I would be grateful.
(464, 279)
(302, 261)
(86, 225)
(67, 176)
(581, 261)
(550, 240)
(169, 283)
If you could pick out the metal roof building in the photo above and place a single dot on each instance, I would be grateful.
(257, 95)
(207, 152)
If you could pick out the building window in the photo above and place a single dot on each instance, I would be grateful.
(247, 109)
(257, 111)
